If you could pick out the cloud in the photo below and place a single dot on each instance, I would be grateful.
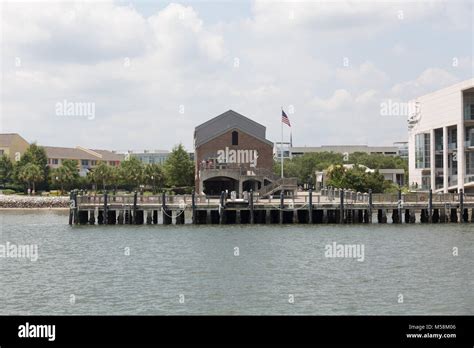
(76, 32)
(178, 31)
(363, 76)
(141, 71)
(428, 81)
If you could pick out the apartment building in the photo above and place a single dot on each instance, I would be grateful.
(13, 145)
(86, 158)
(441, 139)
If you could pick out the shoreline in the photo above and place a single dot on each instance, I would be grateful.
(33, 202)
(34, 208)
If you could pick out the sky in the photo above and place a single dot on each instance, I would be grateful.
(123, 75)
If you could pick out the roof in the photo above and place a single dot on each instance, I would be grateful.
(110, 155)
(78, 153)
(392, 171)
(345, 148)
(460, 86)
(227, 121)
(7, 138)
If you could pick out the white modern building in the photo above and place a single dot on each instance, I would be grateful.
(441, 139)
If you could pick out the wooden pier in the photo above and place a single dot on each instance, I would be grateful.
(326, 206)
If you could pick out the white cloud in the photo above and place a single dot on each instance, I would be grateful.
(290, 53)
(363, 76)
(428, 81)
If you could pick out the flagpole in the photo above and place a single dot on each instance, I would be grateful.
(281, 144)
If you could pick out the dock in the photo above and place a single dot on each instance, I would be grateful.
(327, 206)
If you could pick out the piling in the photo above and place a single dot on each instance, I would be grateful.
(221, 208)
(167, 217)
(341, 206)
(71, 207)
(76, 209)
(430, 206)
(282, 206)
(91, 218)
(370, 206)
(193, 207)
(135, 199)
(105, 215)
(252, 217)
(400, 206)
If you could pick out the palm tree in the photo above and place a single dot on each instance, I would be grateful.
(102, 174)
(131, 173)
(31, 174)
(154, 176)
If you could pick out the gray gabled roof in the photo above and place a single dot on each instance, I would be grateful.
(225, 122)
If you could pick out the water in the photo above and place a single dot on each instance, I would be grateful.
(198, 262)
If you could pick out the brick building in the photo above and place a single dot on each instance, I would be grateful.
(232, 153)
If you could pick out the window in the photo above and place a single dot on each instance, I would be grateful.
(54, 161)
(85, 162)
(422, 150)
(235, 138)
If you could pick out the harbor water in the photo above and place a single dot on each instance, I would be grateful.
(408, 269)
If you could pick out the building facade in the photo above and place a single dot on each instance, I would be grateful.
(441, 139)
(13, 145)
(150, 157)
(233, 154)
(383, 150)
(86, 159)
(153, 156)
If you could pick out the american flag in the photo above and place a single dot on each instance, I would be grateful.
(285, 118)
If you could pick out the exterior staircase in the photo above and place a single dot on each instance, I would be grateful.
(280, 184)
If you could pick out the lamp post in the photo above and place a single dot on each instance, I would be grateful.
(57, 182)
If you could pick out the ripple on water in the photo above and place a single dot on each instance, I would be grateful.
(198, 263)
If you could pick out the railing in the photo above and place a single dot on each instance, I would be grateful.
(469, 143)
(468, 179)
(241, 170)
(452, 146)
(280, 182)
(326, 195)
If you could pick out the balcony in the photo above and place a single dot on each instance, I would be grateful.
(469, 178)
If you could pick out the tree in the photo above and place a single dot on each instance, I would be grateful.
(154, 176)
(30, 174)
(34, 155)
(179, 169)
(66, 175)
(102, 174)
(305, 166)
(357, 179)
(131, 172)
(6, 170)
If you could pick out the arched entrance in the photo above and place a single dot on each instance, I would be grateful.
(215, 185)
(251, 184)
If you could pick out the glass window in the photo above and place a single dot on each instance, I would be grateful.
(85, 162)
(422, 150)
(235, 138)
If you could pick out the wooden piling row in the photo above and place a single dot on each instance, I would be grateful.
(343, 211)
